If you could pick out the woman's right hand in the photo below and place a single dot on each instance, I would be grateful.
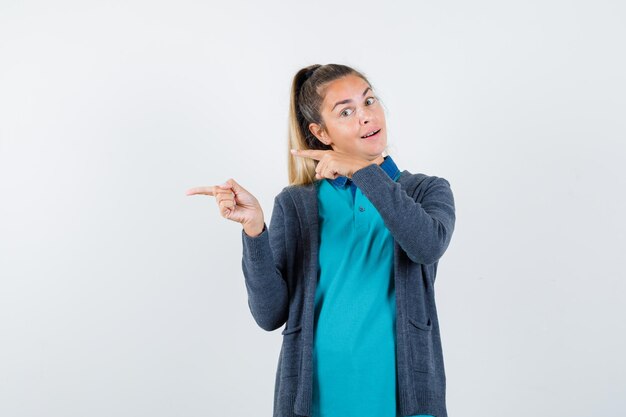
(236, 204)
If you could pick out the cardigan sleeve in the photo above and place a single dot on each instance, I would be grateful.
(422, 229)
(263, 263)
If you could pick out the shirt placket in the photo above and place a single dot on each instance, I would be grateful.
(359, 206)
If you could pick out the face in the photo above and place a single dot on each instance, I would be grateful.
(351, 110)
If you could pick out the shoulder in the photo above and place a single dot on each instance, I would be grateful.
(420, 181)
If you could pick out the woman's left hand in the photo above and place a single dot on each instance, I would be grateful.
(332, 164)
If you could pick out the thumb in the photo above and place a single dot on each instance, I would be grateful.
(233, 185)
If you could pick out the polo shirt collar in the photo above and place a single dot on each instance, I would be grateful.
(388, 165)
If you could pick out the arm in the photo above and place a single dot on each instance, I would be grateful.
(423, 229)
(263, 263)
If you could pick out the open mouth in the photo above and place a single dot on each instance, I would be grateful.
(373, 135)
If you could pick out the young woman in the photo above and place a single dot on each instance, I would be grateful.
(349, 260)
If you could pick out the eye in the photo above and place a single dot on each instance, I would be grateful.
(372, 98)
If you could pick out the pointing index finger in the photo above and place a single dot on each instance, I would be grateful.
(308, 153)
(201, 190)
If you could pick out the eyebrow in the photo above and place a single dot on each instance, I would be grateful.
(348, 100)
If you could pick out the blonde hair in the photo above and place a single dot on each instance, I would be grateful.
(308, 89)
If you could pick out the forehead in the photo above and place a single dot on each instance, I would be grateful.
(350, 86)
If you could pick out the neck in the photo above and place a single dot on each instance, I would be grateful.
(378, 160)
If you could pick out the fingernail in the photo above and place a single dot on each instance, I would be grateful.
(293, 151)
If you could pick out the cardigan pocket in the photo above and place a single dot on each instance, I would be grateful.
(421, 345)
(291, 351)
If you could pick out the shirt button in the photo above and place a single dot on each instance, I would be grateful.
(361, 209)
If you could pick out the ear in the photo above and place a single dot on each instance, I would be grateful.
(319, 133)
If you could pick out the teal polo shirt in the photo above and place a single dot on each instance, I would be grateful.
(354, 352)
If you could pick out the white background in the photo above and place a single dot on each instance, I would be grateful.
(122, 296)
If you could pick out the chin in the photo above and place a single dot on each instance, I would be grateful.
(379, 149)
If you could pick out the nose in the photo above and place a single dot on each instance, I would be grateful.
(365, 115)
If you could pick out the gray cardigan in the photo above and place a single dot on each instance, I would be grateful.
(280, 268)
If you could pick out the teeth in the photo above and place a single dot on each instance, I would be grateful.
(368, 135)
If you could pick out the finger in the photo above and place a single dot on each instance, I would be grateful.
(201, 190)
(331, 170)
(225, 211)
(322, 168)
(309, 153)
(224, 196)
(234, 186)
(226, 205)
(220, 192)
